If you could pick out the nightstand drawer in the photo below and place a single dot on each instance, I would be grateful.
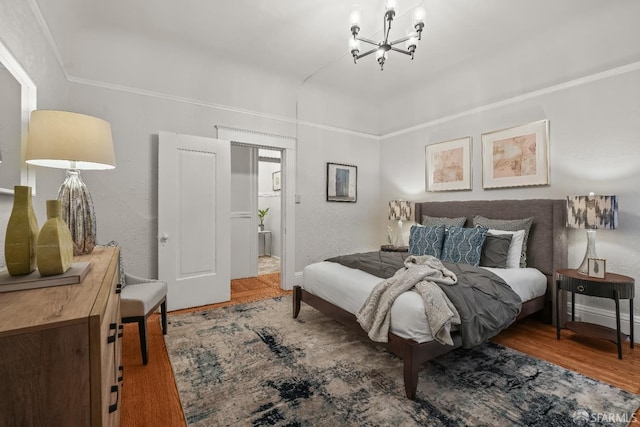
(593, 288)
(586, 288)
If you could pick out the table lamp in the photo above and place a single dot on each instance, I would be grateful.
(399, 210)
(72, 141)
(591, 212)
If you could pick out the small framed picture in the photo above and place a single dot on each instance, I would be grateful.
(342, 183)
(597, 267)
(275, 180)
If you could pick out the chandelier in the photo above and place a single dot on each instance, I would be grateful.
(382, 48)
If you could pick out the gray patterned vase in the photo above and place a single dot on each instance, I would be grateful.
(77, 212)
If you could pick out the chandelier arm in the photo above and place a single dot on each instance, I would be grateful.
(406, 52)
(404, 39)
(387, 30)
(369, 52)
(363, 39)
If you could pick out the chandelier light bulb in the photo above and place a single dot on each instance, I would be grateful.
(418, 15)
(354, 46)
(412, 42)
(381, 57)
(391, 4)
(355, 18)
(418, 20)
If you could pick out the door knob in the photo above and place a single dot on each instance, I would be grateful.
(164, 238)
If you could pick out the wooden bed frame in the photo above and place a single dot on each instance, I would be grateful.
(547, 251)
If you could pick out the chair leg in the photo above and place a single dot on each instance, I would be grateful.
(163, 313)
(142, 330)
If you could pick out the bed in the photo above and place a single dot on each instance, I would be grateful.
(546, 252)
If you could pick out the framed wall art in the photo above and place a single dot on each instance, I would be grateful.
(448, 165)
(515, 157)
(342, 183)
(275, 181)
(597, 267)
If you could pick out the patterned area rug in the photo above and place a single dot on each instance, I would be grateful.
(253, 365)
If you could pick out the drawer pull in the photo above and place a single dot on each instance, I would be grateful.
(112, 338)
(580, 288)
(121, 370)
(115, 389)
(121, 329)
(118, 288)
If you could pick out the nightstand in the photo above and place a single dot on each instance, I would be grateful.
(392, 248)
(612, 286)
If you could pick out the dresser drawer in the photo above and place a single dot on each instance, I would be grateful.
(110, 332)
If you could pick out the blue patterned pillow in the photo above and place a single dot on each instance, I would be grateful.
(463, 245)
(426, 240)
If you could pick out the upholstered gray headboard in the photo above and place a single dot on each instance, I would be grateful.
(547, 245)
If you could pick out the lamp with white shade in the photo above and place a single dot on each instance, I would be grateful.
(591, 212)
(399, 210)
(72, 141)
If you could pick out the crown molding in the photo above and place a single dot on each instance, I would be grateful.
(520, 98)
(498, 104)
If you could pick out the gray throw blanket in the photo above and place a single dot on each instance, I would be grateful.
(421, 274)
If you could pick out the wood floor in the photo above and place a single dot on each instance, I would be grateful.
(150, 397)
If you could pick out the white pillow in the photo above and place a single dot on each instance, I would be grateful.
(515, 248)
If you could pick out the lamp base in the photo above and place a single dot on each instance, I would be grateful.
(590, 253)
(78, 213)
(399, 240)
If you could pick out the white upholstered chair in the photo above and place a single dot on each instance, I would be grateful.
(138, 299)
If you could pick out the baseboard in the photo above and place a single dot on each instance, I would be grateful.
(607, 318)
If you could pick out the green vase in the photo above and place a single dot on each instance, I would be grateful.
(22, 234)
(55, 245)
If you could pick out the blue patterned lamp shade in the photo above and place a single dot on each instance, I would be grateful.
(400, 210)
(591, 212)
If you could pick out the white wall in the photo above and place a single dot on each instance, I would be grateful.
(325, 229)
(594, 130)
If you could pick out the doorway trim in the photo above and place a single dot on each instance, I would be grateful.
(287, 145)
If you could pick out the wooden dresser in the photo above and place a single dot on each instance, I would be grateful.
(60, 350)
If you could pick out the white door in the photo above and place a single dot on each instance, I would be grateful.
(194, 219)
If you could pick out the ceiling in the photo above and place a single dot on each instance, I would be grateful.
(307, 40)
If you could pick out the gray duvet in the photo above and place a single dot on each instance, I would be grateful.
(486, 304)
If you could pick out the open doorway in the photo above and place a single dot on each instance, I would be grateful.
(244, 216)
(269, 211)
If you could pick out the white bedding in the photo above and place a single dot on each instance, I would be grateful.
(348, 289)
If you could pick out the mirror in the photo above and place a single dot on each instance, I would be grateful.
(15, 109)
